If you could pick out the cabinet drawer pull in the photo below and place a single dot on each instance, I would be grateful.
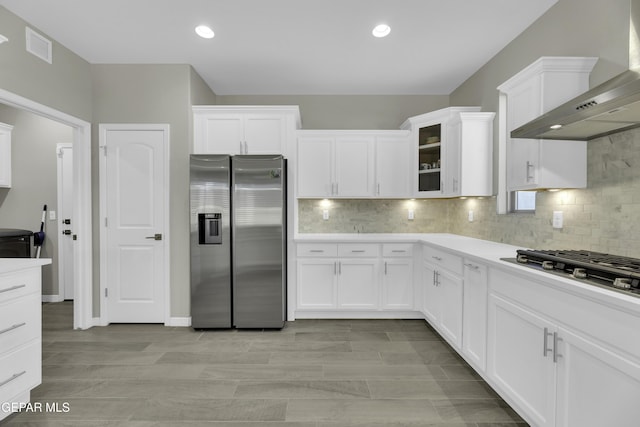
(472, 266)
(398, 250)
(13, 288)
(437, 258)
(11, 328)
(545, 349)
(13, 377)
(358, 251)
(317, 251)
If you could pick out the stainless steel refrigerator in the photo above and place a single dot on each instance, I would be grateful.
(238, 241)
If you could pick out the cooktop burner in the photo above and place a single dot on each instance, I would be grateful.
(611, 271)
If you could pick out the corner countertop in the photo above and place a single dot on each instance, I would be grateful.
(482, 251)
(8, 265)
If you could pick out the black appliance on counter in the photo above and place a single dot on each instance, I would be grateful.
(15, 243)
(614, 272)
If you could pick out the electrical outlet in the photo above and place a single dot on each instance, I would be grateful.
(470, 216)
(325, 214)
(411, 215)
(52, 215)
(558, 220)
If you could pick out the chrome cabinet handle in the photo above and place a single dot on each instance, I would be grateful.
(357, 251)
(339, 267)
(556, 355)
(241, 149)
(472, 266)
(378, 191)
(437, 258)
(385, 268)
(11, 328)
(529, 167)
(545, 349)
(335, 268)
(13, 377)
(316, 250)
(246, 147)
(398, 250)
(12, 288)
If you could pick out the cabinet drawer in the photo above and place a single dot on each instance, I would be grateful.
(17, 284)
(358, 250)
(443, 259)
(20, 371)
(397, 249)
(20, 321)
(317, 249)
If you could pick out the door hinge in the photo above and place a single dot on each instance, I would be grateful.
(106, 292)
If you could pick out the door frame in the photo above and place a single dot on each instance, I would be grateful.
(103, 128)
(82, 253)
(62, 293)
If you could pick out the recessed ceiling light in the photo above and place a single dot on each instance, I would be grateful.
(555, 127)
(381, 30)
(204, 32)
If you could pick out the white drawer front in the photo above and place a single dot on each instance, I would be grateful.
(443, 259)
(397, 249)
(20, 371)
(20, 321)
(317, 249)
(358, 250)
(17, 284)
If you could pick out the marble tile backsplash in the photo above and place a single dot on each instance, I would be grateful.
(604, 217)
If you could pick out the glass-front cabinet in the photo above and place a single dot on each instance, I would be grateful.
(454, 148)
(429, 158)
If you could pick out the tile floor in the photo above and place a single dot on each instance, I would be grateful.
(313, 373)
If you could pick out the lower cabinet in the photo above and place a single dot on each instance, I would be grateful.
(442, 305)
(474, 314)
(555, 375)
(357, 284)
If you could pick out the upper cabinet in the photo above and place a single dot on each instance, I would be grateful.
(540, 164)
(227, 129)
(454, 149)
(353, 164)
(5, 155)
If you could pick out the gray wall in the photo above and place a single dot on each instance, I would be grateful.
(152, 94)
(34, 182)
(348, 111)
(64, 85)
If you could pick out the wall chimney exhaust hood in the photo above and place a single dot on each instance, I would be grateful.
(611, 107)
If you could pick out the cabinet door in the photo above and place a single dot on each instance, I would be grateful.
(451, 153)
(317, 284)
(596, 387)
(393, 166)
(315, 167)
(450, 289)
(5, 155)
(264, 134)
(218, 134)
(397, 284)
(520, 360)
(474, 315)
(354, 166)
(358, 284)
(430, 294)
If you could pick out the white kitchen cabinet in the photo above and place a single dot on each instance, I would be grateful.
(558, 364)
(397, 276)
(393, 165)
(474, 314)
(244, 130)
(317, 281)
(358, 284)
(20, 336)
(5, 155)
(353, 164)
(442, 293)
(454, 152)
(539, 164)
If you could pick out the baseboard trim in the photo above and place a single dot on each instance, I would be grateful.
(358, 315)
(52, 298)
(182, 322)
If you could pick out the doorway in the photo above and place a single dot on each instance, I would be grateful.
(82, 246)
(65, 220)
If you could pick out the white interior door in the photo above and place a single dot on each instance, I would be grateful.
(65, 212)
(135, 223)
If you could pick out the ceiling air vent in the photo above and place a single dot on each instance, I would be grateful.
(39, 46)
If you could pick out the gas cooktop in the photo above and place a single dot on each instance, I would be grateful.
(614, 272)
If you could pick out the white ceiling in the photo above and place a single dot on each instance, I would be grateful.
(289, 47)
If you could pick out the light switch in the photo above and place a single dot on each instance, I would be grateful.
(470, 216)
(325, 214)
(52, 215)
(411, 215)
(558, 220)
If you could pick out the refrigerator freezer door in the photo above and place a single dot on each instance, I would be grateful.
(210, 242)
(259, 241)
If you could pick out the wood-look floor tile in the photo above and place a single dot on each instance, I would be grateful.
(324, 389)
(300, 346)
(258, 372)
(75, 346)
(200, 346)
(358, 371)
(171, 371)
(114, 409)
(213, 358)
(341, 336)
(375, 410)
(476, 410)
(326, 358)
(383, 346)
(103, 358)
(429, 389)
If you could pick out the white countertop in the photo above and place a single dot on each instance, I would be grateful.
(8, 265)
(488, 252)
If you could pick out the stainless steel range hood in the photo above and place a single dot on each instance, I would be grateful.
(611, 107)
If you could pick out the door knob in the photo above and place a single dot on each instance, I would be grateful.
(66, 232)
(156, 236)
